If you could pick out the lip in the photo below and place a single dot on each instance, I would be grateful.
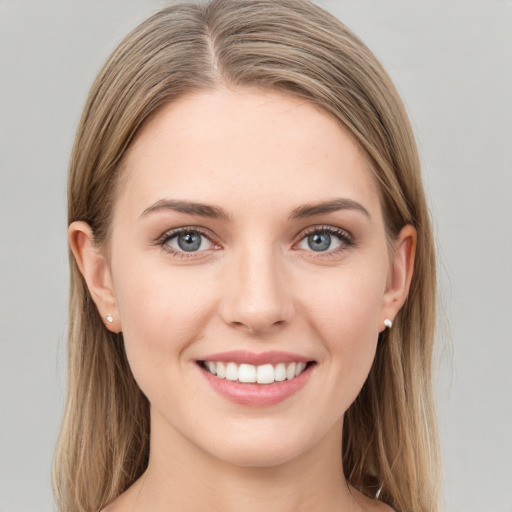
(257, 395)
(256, 359)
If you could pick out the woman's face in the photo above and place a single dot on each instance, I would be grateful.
(248, 241)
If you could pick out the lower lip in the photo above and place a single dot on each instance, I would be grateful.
(257, 395)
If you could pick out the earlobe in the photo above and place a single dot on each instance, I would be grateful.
(401, 271)
(94, 267)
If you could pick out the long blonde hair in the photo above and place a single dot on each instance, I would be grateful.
(389, 436)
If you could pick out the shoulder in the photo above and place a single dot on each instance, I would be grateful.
(115, 506)
(122, 503)
(384, 508)
(377, 506)
(380, 506)
(369, 504)
(126, 500)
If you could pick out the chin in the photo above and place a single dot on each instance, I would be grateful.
(263, 446)
(256, 456)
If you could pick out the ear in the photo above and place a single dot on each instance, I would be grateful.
(400, 275)
(94, 267)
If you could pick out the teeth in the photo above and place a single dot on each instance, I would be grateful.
(231, 371)
(246, 373)
(263, 374)
(212, 367)
(221, 370)
(280, 372)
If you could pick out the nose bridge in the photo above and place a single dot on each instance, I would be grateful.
(259, 297)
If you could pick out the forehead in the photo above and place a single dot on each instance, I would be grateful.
(244, 147)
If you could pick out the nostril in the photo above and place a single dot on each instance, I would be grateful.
(257, 301)
(258, 325)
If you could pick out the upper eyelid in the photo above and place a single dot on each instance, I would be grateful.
(322, 228)
(167, 235)
(325, 227)
(345, 238)
(170, 234)
(188, 229)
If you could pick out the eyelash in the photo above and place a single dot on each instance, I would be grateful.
(343, 236)
(163, 241)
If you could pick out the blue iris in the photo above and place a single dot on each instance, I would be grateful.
(319, 241)
(189, 241)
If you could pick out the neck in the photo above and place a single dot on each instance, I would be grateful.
(182, 477)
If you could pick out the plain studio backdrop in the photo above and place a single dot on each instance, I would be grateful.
(452, 63)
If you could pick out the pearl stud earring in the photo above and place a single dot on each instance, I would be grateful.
(110, 319)
(388, 323)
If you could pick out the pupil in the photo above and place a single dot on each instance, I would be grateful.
(319, 242)
(189, 242)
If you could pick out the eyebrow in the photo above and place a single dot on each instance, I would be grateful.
(188, 207)
(215, 212)
(334, 205)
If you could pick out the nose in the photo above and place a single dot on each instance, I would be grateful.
(257, 296)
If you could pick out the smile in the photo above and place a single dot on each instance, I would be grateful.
(249, 373)
(257, 380)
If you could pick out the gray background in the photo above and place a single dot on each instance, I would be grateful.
(452, 62)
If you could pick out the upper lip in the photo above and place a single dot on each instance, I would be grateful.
(256, 359)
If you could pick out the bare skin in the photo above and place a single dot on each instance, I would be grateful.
(283, 489)
(131, 501)
(271, 272)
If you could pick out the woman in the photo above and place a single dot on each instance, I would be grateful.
(252, 274)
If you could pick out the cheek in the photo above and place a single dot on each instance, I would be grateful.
(345, 311)
(346, 303)
(161, 312)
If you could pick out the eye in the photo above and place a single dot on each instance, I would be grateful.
(186, 241)
(325, 239)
